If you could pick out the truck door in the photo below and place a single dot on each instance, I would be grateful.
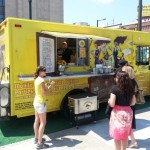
(143, 63)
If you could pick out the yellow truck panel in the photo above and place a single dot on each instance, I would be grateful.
(25, 44)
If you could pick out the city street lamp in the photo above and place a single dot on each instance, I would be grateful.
(140, 16)
(100, 20)
(30, 9)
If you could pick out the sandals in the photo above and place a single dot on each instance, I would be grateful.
(133, 145)
(36, 140)
(42, 146)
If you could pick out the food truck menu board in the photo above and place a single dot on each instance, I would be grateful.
(46, 53)
(82, 48)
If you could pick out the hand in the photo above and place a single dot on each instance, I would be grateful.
(48, 84)
(52, 82)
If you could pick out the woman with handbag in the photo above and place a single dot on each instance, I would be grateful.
(121, 98)
(130, 70)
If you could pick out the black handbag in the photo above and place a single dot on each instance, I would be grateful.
(108, 111)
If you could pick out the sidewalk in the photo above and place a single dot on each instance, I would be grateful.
(90, 136)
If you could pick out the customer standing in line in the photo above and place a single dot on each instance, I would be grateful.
(40, 106)
(129, 69)
(121, 98)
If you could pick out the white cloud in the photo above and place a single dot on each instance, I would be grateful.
(104, 1)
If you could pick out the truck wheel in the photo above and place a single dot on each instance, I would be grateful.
(64, 105)
(4, 100)
(4, 96)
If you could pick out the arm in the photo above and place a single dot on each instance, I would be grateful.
(112, 100)
(133, 101)
(44, 89)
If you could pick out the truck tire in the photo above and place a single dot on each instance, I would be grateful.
(4, 100)
(4, 96)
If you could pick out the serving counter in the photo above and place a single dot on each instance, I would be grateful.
(25, 77)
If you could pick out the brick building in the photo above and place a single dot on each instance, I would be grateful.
(134, 26)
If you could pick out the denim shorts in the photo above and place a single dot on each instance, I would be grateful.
(40, 107)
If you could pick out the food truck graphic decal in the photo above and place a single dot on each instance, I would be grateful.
(26, 44)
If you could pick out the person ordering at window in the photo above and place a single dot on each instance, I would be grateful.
(41, 90)
(129, 69)
(66, 53)
(121, 99)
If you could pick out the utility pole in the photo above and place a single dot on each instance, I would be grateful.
(30, 9)
(140, 16)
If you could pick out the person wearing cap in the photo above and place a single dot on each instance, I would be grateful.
(66, 53)
(127, 68)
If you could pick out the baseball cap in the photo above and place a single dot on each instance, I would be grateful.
(122, 62)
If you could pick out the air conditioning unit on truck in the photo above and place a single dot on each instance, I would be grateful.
(26, 44)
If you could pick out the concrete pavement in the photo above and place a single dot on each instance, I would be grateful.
(90, 136)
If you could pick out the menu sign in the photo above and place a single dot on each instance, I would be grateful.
(82, 52)
(82, 49)
(46, 53)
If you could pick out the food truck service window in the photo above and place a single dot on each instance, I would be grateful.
(79, 44)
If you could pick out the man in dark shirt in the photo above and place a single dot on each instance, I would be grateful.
(66, 53)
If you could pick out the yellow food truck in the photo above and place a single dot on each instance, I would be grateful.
(26, 44)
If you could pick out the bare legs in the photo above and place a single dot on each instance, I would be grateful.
(39, 126)
(117, 144)
(36, 125)
(120, 144)
(132, 137)
(133, 143)
(124, 144)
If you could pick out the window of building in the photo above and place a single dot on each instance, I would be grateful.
(142, 55)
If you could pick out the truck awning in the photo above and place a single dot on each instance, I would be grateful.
(79, 36)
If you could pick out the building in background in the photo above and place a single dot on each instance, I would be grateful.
(82, 23)
(145, 21)
(46, 10)
(134, 26)
(2, 10)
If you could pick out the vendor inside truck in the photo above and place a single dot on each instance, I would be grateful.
(64, 53)
(72, 51)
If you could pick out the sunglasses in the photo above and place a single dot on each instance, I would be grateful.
(44, 70)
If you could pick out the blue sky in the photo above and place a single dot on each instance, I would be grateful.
(115, 11)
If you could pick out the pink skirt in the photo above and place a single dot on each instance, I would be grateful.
(120, 122)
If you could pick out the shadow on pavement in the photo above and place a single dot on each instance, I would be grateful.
(144, 144)
(67, 138)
